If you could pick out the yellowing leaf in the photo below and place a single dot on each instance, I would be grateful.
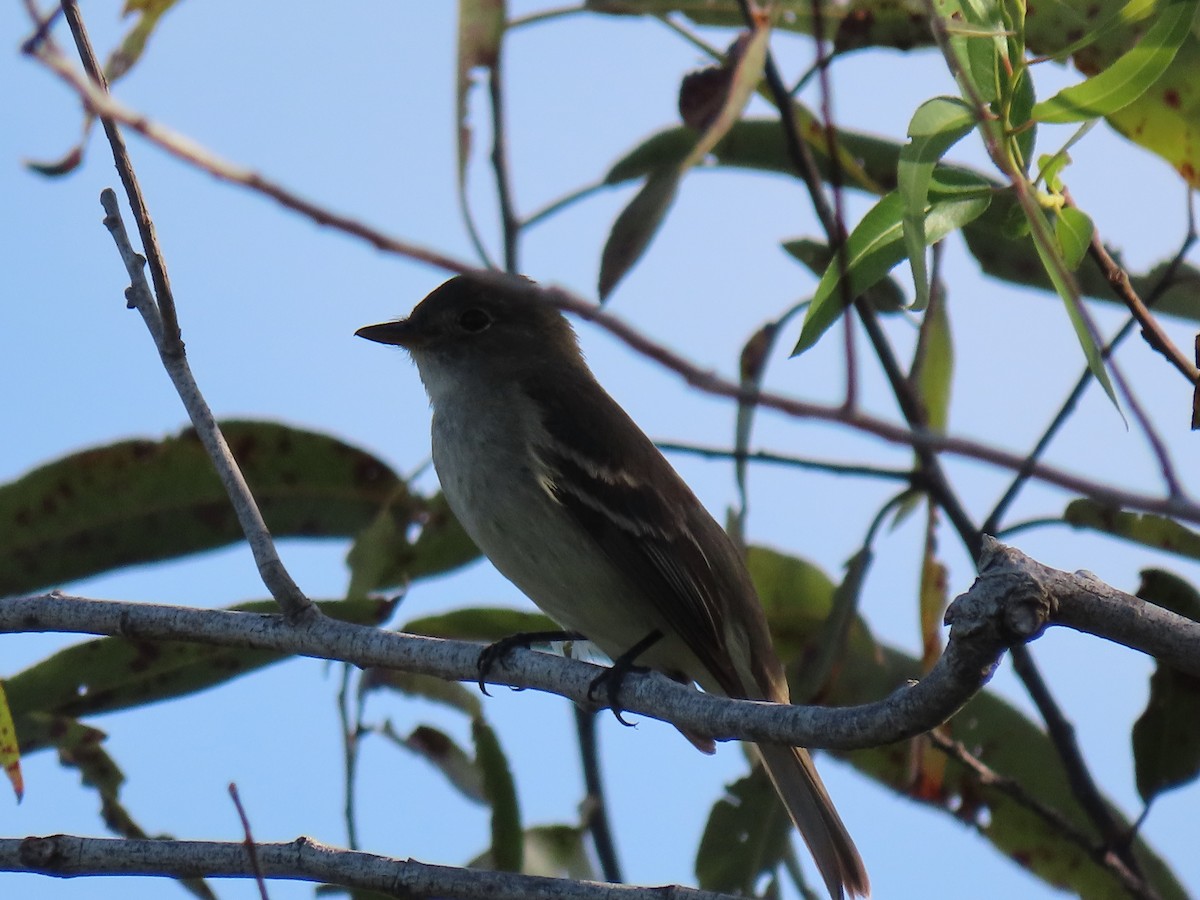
(10, 753)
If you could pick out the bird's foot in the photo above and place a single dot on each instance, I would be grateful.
(496, 652)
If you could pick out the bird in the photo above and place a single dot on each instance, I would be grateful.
(573, 503)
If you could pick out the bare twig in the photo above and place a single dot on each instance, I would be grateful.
(163, 296)
(1154, 334)
(248, 842)
(595, 814)
(813, 465)
(509, 223)
(1010, 787)
(305, 859)
(274, 575)
(992, 524)
(1062, 733)
(190, 152)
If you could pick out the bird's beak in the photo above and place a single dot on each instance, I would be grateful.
(400, 333)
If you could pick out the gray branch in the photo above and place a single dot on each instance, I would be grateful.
(1012, 601)
(68, 856)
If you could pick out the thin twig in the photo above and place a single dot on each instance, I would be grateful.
(1152, 331)
(248, 842)
(1079, 779)
(163, 296)
(798, 462)
(1062, 733)
(991, 525)
(351, 731)
(509, 223)
(1010, 787)
(917, 438)
(270, 567)
(595, 804)
(190, 152)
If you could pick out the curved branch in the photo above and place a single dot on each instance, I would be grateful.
(68, 856)
(1012, 601)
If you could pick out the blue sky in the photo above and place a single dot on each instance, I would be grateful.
(352, 106)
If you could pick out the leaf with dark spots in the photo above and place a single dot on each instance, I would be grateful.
(142, 501)
(108, 674)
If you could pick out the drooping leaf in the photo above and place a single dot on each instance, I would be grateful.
(441, 751)
(480, 32)
(1127, 78)
(876, 245)
(1166, 737)
(130, 50)
(1141, 528)
(639, 221)
(634, 227)
(1068, 290)
(142, 501)
(508, 841)
(933, 593)
(746, 836)
(936, 126)
(932, 370)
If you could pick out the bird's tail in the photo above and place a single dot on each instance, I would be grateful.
(799, 786)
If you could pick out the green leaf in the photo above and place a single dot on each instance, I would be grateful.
(746, 837)
(142, 501)
(933, 365)
(108, 674)
(1060, 276)
(874, 247)
(797, 598)
(936, 126)
(558, 851)
(555, 851)
(1166, 737)
(1129, 77)
(639, 221)
(485, 624)
(384, 554)
(508, 841)
(756, 145)
(885, 296)
(635, 226)
(1073, 230)
(1142, 528)
(134, 43)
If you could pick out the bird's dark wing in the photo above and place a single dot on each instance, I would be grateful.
(616, 484)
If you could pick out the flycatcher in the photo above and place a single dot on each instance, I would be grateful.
(576, 506)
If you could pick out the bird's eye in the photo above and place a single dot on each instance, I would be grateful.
(474, 320)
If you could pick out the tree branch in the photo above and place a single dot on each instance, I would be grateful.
(1012, 601)
(68, 856)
